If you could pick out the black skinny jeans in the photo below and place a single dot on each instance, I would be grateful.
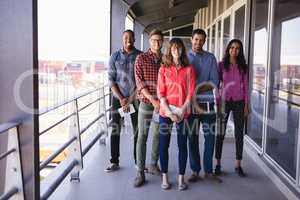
(116, 130)
(237, 108)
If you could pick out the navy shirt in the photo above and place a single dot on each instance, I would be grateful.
(121, 71)
(206, 68)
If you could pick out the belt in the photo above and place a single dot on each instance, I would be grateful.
(206, 107)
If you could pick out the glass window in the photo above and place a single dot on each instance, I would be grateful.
(239, 23)
(259, 69)
(208, 40)
(221, 6)
(213, 39)
(129, 24)
(73, 50)
(284, 103)
(229, 3)
(214, 9)
(209, 11)
(219, 51)
(226, 32)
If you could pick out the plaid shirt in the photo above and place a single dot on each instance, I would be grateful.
(146, 73)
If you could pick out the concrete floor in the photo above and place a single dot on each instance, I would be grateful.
(96, 184)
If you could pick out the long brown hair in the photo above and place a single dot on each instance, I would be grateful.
(241, 61)
(168, 58)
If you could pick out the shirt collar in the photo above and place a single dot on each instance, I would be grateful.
(153, 54)
(124, 52)
(195, 54)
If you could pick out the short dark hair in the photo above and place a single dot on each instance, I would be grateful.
(198, 31)
(129, 31)
(156, 32)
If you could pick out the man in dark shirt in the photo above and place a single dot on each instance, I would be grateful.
(122, 82)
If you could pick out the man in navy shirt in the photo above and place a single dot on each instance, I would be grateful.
(205, 65)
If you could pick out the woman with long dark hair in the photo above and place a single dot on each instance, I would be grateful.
(233, 98)
(175, 88)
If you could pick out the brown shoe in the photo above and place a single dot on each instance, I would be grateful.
(140, 179)
(154, 170)
(194, 178)
(213, 177)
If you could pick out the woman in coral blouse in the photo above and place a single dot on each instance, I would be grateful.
(234, 98)
(175, 88)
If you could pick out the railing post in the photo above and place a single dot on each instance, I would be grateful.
(75, 148)
(103, 120)
(14, 175)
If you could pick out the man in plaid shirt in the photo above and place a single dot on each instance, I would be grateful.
(146, 73)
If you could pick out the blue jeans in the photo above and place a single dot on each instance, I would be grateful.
(208, 126)
(165, 129)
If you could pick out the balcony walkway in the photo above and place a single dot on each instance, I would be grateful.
(96, 184)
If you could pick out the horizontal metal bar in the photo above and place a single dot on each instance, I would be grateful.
(91, 144)
(9, 194)
(56, 153)
(108, 109)
(6, 126)
(4, 155)
(84, 107)
(90, 124)
(69, 101)
(258, 91)
(288, 92)
(62, 120)
(287, 101)
(58, 181)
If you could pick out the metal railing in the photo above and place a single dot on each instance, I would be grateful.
(13, 184)
(75, 164)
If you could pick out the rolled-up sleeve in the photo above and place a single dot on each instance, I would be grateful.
(161, 84)
(191, 82)
(112, 71)
(138, 72)
(214, 72)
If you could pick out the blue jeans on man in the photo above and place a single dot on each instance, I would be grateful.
(208, 122)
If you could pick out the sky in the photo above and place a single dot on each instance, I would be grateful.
(73, 29)
(290, 40)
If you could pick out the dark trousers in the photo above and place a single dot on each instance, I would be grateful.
(116, 130)
(237, 108)
(208, 122)
(165, 129)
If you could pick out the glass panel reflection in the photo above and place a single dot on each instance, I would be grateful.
(239, 23)
(283, 115)
(258, 68)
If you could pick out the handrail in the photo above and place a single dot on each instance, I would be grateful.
(76, 139)
(46, 110)
(54, 125)
(9, 194)
(90, 124)
(13, 147)
(84, 107)
(56, 153)
(91, 144)
(58, 181)
(5, 127)
(5, 154)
